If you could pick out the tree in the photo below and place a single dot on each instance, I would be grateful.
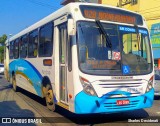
(1, 54)
(3, 38)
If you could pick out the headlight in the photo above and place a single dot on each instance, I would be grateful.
(87, 87)
(150, 84)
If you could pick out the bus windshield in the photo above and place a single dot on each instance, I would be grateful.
(129, 53)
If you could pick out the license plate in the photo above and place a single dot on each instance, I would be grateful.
(122, 102)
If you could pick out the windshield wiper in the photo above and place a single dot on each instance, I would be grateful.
(104, 34)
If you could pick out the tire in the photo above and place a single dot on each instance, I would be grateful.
(14, 83)
(7, 76)
(48, 93)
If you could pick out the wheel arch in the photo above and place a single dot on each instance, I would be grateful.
(45, 82)
(13, 73)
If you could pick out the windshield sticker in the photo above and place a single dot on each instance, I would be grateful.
(127, 29)
(126, 69)
(143, 32)
(109, 54)
(116, 55)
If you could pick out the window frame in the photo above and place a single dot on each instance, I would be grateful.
(35, 33)
(44, 27)
(16, 56)
(22, 37)
(11, 45)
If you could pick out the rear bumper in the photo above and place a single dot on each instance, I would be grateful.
(85, 104)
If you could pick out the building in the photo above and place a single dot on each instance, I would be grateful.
(110, 2)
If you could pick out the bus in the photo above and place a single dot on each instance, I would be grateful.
(85, 57)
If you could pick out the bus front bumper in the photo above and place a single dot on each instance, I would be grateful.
(85, 104)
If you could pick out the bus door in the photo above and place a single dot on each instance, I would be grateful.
(63, 61)
(61, 26)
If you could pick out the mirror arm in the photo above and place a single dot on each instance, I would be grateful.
(70, 53)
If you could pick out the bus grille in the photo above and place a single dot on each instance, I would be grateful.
(103, 88)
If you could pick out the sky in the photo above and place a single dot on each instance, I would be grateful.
(16, 15)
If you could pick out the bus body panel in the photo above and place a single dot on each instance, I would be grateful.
(86, 104)
(31, 71)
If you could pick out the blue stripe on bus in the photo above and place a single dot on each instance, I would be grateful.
(85, 104)
(23, 66)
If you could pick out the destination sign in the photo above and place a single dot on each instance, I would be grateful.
(111, 14)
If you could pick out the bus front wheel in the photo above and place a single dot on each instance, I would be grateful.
(49, 97)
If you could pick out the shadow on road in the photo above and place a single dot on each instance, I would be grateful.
(32, 96)
(5, 87)
(102, 118)
(10, 109)
(1, 75)
(156, 97)
(69, 117)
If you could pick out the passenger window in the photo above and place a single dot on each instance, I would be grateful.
(11, 50)
(33, 44)
(23, 46)
(46, 40)
(16, 48)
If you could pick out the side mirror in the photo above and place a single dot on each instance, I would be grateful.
(71, 28)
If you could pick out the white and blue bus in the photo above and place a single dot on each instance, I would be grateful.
(87, 58)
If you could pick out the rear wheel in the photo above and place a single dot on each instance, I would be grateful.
(48, 92)
(14, 83)
(7, 76)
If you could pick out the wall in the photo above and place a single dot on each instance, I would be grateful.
(110, 2)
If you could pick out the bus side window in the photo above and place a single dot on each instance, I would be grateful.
(46, 40)
(33, 44)
(16, 49)
(11, 50)
(23, 46)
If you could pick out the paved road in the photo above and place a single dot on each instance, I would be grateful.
(20, 104)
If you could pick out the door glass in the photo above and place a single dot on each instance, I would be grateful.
(62, 86)
(62, 58)
(62, 45)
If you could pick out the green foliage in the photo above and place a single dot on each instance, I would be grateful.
(2, 49)
(3, 38)
(2, 41)
(1, 54)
